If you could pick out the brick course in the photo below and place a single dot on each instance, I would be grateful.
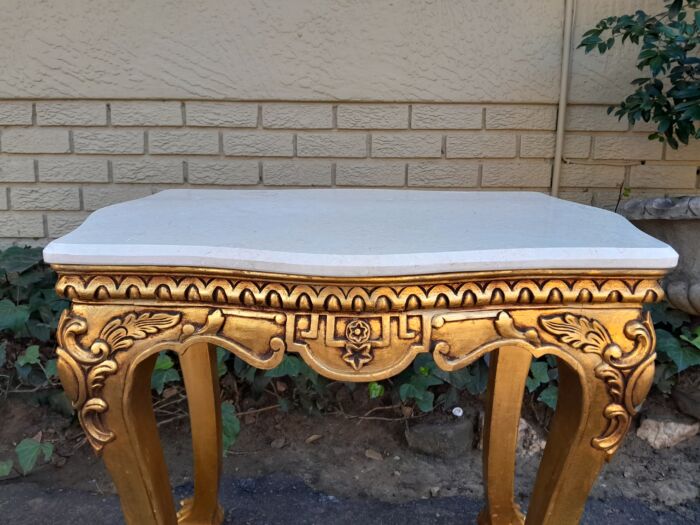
(370, 174)
(408, 145)
(332, 144)
(108, 141)
(310, 116)
(45, 198)
(230, 171)
(16, 169)
(481, 145)
(235, 115)
(73, 169)
(192, 142)
(446, 116)
(61, 159)
(146, 113)
(148, 171)
(259, 144)
(297, 173)
(71, 113)
(372, 116)
(15, 113)
(35, 140)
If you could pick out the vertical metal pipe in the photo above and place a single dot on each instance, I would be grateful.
(569, 9)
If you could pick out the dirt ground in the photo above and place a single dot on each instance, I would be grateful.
(335, 469)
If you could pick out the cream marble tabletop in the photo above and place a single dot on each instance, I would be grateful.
(358, 233)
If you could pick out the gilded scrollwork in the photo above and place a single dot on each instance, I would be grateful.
(363, 330)
(85, 365)
(628, 374)
(83, 369)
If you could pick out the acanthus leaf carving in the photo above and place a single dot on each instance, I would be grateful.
(628, 375)
(84, 369)
(578, 332)
(85, 366)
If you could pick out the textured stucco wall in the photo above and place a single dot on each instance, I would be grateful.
(477, 50)
(103, 101)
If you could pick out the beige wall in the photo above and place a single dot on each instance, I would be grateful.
(102, 101)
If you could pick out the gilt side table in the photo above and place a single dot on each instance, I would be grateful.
(357, 282)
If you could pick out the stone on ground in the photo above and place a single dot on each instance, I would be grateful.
(447, 440)
(667, 433)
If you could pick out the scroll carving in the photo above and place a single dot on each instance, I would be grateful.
(626, 372)
(85, 366)
(84, 369)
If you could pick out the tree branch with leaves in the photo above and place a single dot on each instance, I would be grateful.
(669, 92)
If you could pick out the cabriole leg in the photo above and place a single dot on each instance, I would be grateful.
(570, 464)
(200, 373)
(508, 370)
(134, 456)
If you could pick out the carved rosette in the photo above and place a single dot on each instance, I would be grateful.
(358, 348)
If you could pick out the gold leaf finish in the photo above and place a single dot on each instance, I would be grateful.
(84, 369)
(357, 330)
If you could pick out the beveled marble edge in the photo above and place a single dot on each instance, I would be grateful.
(330, 265)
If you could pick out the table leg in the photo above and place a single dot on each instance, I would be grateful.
(570, 464)
(134, 456)
(201, 377)
(508, 370)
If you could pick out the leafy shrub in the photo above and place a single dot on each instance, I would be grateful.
(29, 306)
(669, 92)
(677, 344)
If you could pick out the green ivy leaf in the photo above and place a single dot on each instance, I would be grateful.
(290, 366)
(3, 353)
(50, 369)
(30, 356)
(5, 468)
(230, 425)
(221, 356)
(28, 451)
(59, 402)
(425, 400)
(164, 362)
(548, 396)
(692, 337)
(39, 330)
(478, 378)
(18, 259)
(375, 390)
(539, 373)
(663, 313)
(682, 355)
(12, 317)
(163, 376)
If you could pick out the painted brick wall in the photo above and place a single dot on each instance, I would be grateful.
(113, 101)
(59, 160)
